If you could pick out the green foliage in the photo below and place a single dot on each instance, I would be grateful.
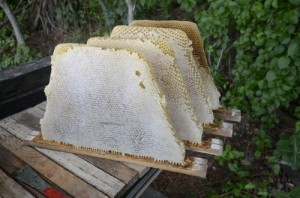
(288, 148)
(240, 182)
(261, 40)
(262, 142)
(294, 193)
(10, 52)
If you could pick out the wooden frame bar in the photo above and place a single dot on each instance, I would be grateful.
(193, 165)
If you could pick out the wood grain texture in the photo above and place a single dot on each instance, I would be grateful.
(10, 188)
(209, 146)
(142, 170)
(11, 164)
(231, 115)
(31, 117)
(24, 78)
(42, 106)
(117, 169)
(70, 183)
(223, 129)
(196, 166)
(93, 175)
(88, 172)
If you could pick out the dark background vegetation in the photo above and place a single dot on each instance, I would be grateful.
(253, 50)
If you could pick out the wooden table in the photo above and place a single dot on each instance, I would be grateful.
(65, 173)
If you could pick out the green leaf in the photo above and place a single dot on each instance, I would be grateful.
(275, 3)
(295, 2)
(276, 169)
(281, 194)
(295, 160)
(257, 154)
(233, 167)
(283, 62)
(270, 75)
(278, 49)
(250, 185)
(292, 50)
(295, 192)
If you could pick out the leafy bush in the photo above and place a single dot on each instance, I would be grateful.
(287, 148)
(261, 39)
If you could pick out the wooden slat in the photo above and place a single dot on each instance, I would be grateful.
(11, 164)
(108, 184)
(39, 113)
(232, 115)
(194, 166)
(10, 188)
(209, 146)
(221, 129)
(142, 170)
(117, 169)
(52, 171)
(42, 105)
(93, 175)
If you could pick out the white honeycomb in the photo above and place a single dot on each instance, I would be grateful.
(169, 79)
(182, 47)
(97, 100)
(192, 31)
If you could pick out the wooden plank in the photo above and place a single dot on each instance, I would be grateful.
(15, 128)
(117, 169)
(11, 164)
(193, 166)
(209, 146)
(52, 171)
(10, 188)
(42, 105)
(96, 177)
(21, 102)
(21, 79)
(142, 170)
(224, 129)
(231, 115)
(88, 172)
(27, 120)
(36, 112)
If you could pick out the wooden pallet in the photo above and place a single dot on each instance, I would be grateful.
(193, 165)
(232, 115)
(210, 146)
(75, 175)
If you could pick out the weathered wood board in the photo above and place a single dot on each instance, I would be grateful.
(194, 166)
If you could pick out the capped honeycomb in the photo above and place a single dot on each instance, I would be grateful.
(108, 100)
(183, 50)
(192, 31)
(169, 79)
